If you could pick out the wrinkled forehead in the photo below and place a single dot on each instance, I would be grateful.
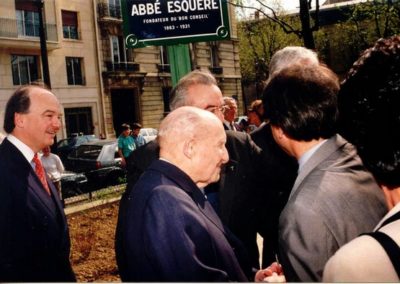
(204, 96)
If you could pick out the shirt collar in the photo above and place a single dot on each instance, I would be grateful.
(307, 155)
(22, 147)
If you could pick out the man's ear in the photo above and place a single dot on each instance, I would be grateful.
(19, 120)
(277, 132)
(189, 148)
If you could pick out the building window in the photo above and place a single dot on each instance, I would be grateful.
(24, 69)
(215, 67)
(27, 19)
(214, 54)
(118, 51)
(164, 55)
(78, 120)
(164, 63)
(74, 71)
(70, 24)
(166, 99)
(114, 7)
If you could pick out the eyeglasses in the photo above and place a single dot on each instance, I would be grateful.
(214, 109)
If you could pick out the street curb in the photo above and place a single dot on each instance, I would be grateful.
(81, 207)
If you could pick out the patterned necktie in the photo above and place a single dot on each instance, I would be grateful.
(40, 172)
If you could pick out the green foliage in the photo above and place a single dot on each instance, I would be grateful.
(338, 45)
(341, 43)
(258, 40)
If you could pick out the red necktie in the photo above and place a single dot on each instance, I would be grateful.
(40, 172)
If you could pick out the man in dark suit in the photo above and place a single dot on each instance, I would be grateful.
(279, 172)
(170, 231)
(232, 196)
(230, 113)
(34, 239)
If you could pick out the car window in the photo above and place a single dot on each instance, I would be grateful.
(108, 152)
(65, 142)
(80, 140)
(88, 151)
(91, 138)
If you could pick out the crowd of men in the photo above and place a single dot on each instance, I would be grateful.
(321, 168)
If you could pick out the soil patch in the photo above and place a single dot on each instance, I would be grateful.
(92, 235)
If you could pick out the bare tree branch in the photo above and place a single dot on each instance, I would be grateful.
(285, 26)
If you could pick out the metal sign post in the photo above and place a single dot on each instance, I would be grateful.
(179, 59)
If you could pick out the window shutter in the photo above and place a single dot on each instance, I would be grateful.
(69, 18)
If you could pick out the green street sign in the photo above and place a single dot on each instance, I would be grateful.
(168, 22)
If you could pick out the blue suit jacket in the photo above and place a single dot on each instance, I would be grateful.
(171, 233)
(34, 239)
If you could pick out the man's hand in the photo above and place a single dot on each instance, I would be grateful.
(123, 162)
(272, 273)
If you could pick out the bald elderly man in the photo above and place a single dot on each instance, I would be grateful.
(171, 231)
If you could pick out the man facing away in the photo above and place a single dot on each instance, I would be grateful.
(334, 198)
(171, 231)
(34, 238)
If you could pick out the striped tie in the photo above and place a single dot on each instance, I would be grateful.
(40, 172)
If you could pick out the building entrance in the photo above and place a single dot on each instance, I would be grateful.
(125, 107)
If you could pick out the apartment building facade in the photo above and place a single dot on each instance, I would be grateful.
(100, 83)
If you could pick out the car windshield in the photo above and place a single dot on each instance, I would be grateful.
(66, 142)
(88, 151)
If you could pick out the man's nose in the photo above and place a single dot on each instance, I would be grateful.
(57, 123)
(225, 156)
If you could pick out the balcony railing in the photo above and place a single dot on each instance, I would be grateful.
(122, 66)
(107, 10)
(9, 29)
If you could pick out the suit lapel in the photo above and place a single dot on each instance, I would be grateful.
(24, 170)
(37, 190)
(330, 146)
(206, 208)
(55, 194)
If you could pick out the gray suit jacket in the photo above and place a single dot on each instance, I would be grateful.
(333, 200)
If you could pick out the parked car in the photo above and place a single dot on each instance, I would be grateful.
(73, 184)
(148, 134)
(65, 146)
(99, 161)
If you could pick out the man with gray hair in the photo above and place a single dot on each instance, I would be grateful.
(171, 233)
(232, 196)
(230, 113)
(291, 55)
(279, 170)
